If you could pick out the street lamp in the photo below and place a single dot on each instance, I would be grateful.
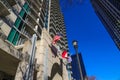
(75, 44)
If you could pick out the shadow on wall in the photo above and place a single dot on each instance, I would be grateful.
(56, 68)
(5, 76)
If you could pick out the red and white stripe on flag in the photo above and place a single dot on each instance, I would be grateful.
(56, 38)
(64, 54)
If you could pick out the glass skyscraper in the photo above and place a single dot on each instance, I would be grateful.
(75, 68)
(109, 13)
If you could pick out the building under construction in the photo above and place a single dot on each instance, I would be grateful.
(27, 28)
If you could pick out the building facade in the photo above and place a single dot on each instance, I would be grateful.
(109, 13)
(57, 24)
(76, 71)
(27, 28)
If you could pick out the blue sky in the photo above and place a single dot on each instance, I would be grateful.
(101, 56)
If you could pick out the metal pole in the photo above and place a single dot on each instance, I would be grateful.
(80, 69)
(30, 70)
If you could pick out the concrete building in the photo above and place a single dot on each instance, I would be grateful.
(76, 71)
(109, 13)
(27, 28)
(57, 23)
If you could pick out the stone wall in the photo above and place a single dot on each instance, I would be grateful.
(52, 67)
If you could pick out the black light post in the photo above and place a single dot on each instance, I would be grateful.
(75, 44)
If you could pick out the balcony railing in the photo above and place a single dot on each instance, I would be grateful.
(19, 2)
(4, 9)
(8, 48)
(15, 11)
(2, 36)
(11, 2)
(5, 3)
(32, 28)
(8, 21)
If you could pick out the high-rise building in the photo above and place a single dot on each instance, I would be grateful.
(76, 71)
(109, 13)
(57, 24)
(27, 28)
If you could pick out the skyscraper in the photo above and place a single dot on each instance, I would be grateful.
(57, 24)
(75, 68)
(21, 55)
(109, 13)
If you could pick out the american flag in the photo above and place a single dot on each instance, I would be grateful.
(56, 38)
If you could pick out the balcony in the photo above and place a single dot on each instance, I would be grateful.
(51, 34)
(8, 21)
(33, 5)
(9, 57)
(43, 12)
(33, 10)
(37, 3)
(30, 29)
(33, 21)
(52, 30)
(41, 22)
(31, 18)
(3, 10)
(11, 2)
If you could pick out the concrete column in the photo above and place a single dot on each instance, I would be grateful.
(51, 67)
(20, 73)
